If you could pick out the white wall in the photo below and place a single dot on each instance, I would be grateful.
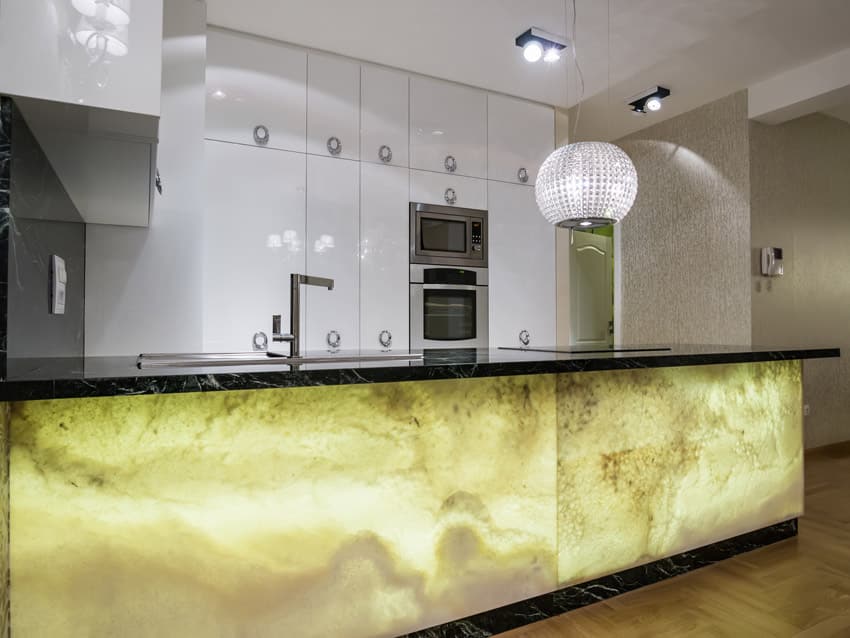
(143, 286)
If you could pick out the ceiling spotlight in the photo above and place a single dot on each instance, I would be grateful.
(535, 41)
(532, 51)
(649, 100)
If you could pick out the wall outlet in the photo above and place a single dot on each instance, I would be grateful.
(807, 410)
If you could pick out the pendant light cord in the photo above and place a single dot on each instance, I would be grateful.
(579, 73)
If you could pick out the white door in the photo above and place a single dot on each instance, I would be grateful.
(384, 114)
(522, 269)
(253, 240)
(384, 257)
(256, 91)
(333, 209)
(448, 128)
(333, 107)
(591, 289)
(520, 135)
(448, 190)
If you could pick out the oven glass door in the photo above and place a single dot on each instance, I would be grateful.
(449, 313)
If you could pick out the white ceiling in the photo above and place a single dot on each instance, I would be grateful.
(700, 49)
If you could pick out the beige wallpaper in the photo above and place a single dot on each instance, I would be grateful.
(800, 176)
(683, 257)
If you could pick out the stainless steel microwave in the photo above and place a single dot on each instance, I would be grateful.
(448, 236)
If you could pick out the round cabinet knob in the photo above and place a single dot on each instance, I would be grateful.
(524, 337)
(334, 145)
(261, 134)
(385, 154)
(450, 163)
(522, 175)
(333, 340)
(260, 341)
(451, 196)
(386, 339)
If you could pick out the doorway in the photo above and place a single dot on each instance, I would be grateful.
(591, 271)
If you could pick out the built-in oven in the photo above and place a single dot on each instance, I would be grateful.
(448, 307)
(448, 236)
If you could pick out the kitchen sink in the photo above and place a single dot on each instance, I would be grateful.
(205, 359)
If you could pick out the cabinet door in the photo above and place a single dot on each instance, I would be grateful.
(254, 83)
(384, 114)
(333, 207)
(384, 257)
(448, 125)
(448, 190)
(49, 51)
(520, 135)
(522, 268)
(254, 238)
(333, 106)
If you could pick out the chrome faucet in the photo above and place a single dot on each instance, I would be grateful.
(295, 282)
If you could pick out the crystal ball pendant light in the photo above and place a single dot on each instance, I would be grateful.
(586, 185)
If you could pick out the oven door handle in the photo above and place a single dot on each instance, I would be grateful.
(446, 287)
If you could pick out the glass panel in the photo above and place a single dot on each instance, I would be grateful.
(449, 315)
(442, 235)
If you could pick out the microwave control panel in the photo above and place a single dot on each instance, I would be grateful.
(476, 237)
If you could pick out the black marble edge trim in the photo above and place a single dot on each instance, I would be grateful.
(573, 597)
(214, 382)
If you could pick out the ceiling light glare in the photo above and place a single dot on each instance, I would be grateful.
(653, 104)
(532, 51)
(552, 55)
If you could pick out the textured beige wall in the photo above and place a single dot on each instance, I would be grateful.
(800, 176)
(684, 250)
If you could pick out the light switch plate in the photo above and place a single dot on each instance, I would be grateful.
(58, 281)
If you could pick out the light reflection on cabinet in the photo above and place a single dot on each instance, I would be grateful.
(333, 230)
(384, 116)
(253, 239)
(448, 127)
(384, 257)
(520, 135)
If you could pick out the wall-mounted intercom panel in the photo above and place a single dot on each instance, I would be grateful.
(771, 262)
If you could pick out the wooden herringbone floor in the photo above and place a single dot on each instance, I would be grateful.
(799, 587)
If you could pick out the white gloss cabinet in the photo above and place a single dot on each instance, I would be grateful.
(448, 128)
(256, 91)
(333, 232)
(384, 115)
(520, 135)
(254, 231)
(333, 106)
(448, 190)
(384, 257)
(522, 269)
(43, 46)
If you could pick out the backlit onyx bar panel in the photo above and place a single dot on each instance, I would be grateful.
(378, 509)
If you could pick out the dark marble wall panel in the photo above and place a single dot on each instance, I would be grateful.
(5, 167)
(39, 220)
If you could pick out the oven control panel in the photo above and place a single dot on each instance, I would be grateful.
(476, 237)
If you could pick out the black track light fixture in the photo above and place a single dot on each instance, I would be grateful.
(649, 100)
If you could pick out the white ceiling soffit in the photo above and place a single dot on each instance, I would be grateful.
(842, 112)
(818, 86)
(701, 49)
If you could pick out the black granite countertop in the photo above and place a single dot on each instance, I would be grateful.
(35, 379)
